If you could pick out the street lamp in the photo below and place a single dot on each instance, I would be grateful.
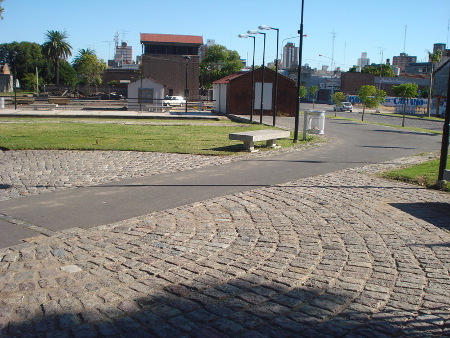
(253, 73)
(299, 73)
(263, 71)
(332, 61)
(186, 90)
(276, 71)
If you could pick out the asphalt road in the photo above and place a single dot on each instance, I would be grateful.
(353, 145)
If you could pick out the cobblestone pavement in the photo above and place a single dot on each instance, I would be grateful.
(343, 254)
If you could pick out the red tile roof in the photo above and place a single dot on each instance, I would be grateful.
(227, 79)
(170, 38)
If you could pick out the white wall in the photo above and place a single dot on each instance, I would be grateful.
(133, 93)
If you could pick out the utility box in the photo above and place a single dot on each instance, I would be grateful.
(315, 122)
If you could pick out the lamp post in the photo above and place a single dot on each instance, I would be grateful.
(299, 73)
(186, 90)
(13, 61)
(263, 71)
(253, 73)
(275, 89)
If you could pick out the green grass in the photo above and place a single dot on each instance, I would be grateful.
(424, 174)
(193, 139)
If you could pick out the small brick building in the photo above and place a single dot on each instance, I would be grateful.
(169, 58)
(233, 94)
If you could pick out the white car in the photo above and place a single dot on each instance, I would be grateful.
(344, 106)
(174, 101)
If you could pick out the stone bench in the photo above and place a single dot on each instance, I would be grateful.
(250, 137)
(46, 106)
(158, 108)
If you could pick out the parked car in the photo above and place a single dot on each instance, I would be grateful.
(344, 106)
(173, 101)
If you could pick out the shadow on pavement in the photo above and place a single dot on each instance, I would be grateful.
(437, 214)
(241, 307)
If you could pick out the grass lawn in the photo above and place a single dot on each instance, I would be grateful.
(192, 139)
(425, 174)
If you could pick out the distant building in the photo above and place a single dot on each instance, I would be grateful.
(418, 68)
(290, 56)
(123, 54)
(6, 80)
(363, 61)
(172, 60)
(403, 60)
(204, 48)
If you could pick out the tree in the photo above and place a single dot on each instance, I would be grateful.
(1, 10)
(405, 91)
(30, 82)
(370, 97)
(24, 56)
(67, 75)
(302, 92)
(218, 63)
(434, 58)
(338, 98)
(379, 70)
(55, 48)
(313, 92)
(82, 52)
(89, 69)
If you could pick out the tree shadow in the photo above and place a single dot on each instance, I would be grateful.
(435, 213)
(249, 306)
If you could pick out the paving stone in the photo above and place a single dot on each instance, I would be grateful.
(341, 254)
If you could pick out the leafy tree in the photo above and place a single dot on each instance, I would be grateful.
(23, 56)
(338, 98)
(30, 81)
(302, 92)
(68, 75)
(370, 97)
(379, 70)
(55, 48)
(89, 69)
(218, 63)
(313, 92)
(405, 91)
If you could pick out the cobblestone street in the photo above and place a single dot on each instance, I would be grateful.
(346, 254)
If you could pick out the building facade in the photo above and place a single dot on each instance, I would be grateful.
(6, 79)
(173, 60)
(363, 61)
(290, 56)
(233, 94)
(402, 61)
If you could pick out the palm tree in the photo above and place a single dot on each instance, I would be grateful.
(433, 58)
(81, 53)
(55, 48)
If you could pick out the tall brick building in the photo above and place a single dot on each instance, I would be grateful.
(168, 58)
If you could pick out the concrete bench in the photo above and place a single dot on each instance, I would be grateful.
(250, 137)
(46, 106)
(158, 108)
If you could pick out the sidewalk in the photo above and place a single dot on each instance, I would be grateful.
(98, 112)
(342, 254)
